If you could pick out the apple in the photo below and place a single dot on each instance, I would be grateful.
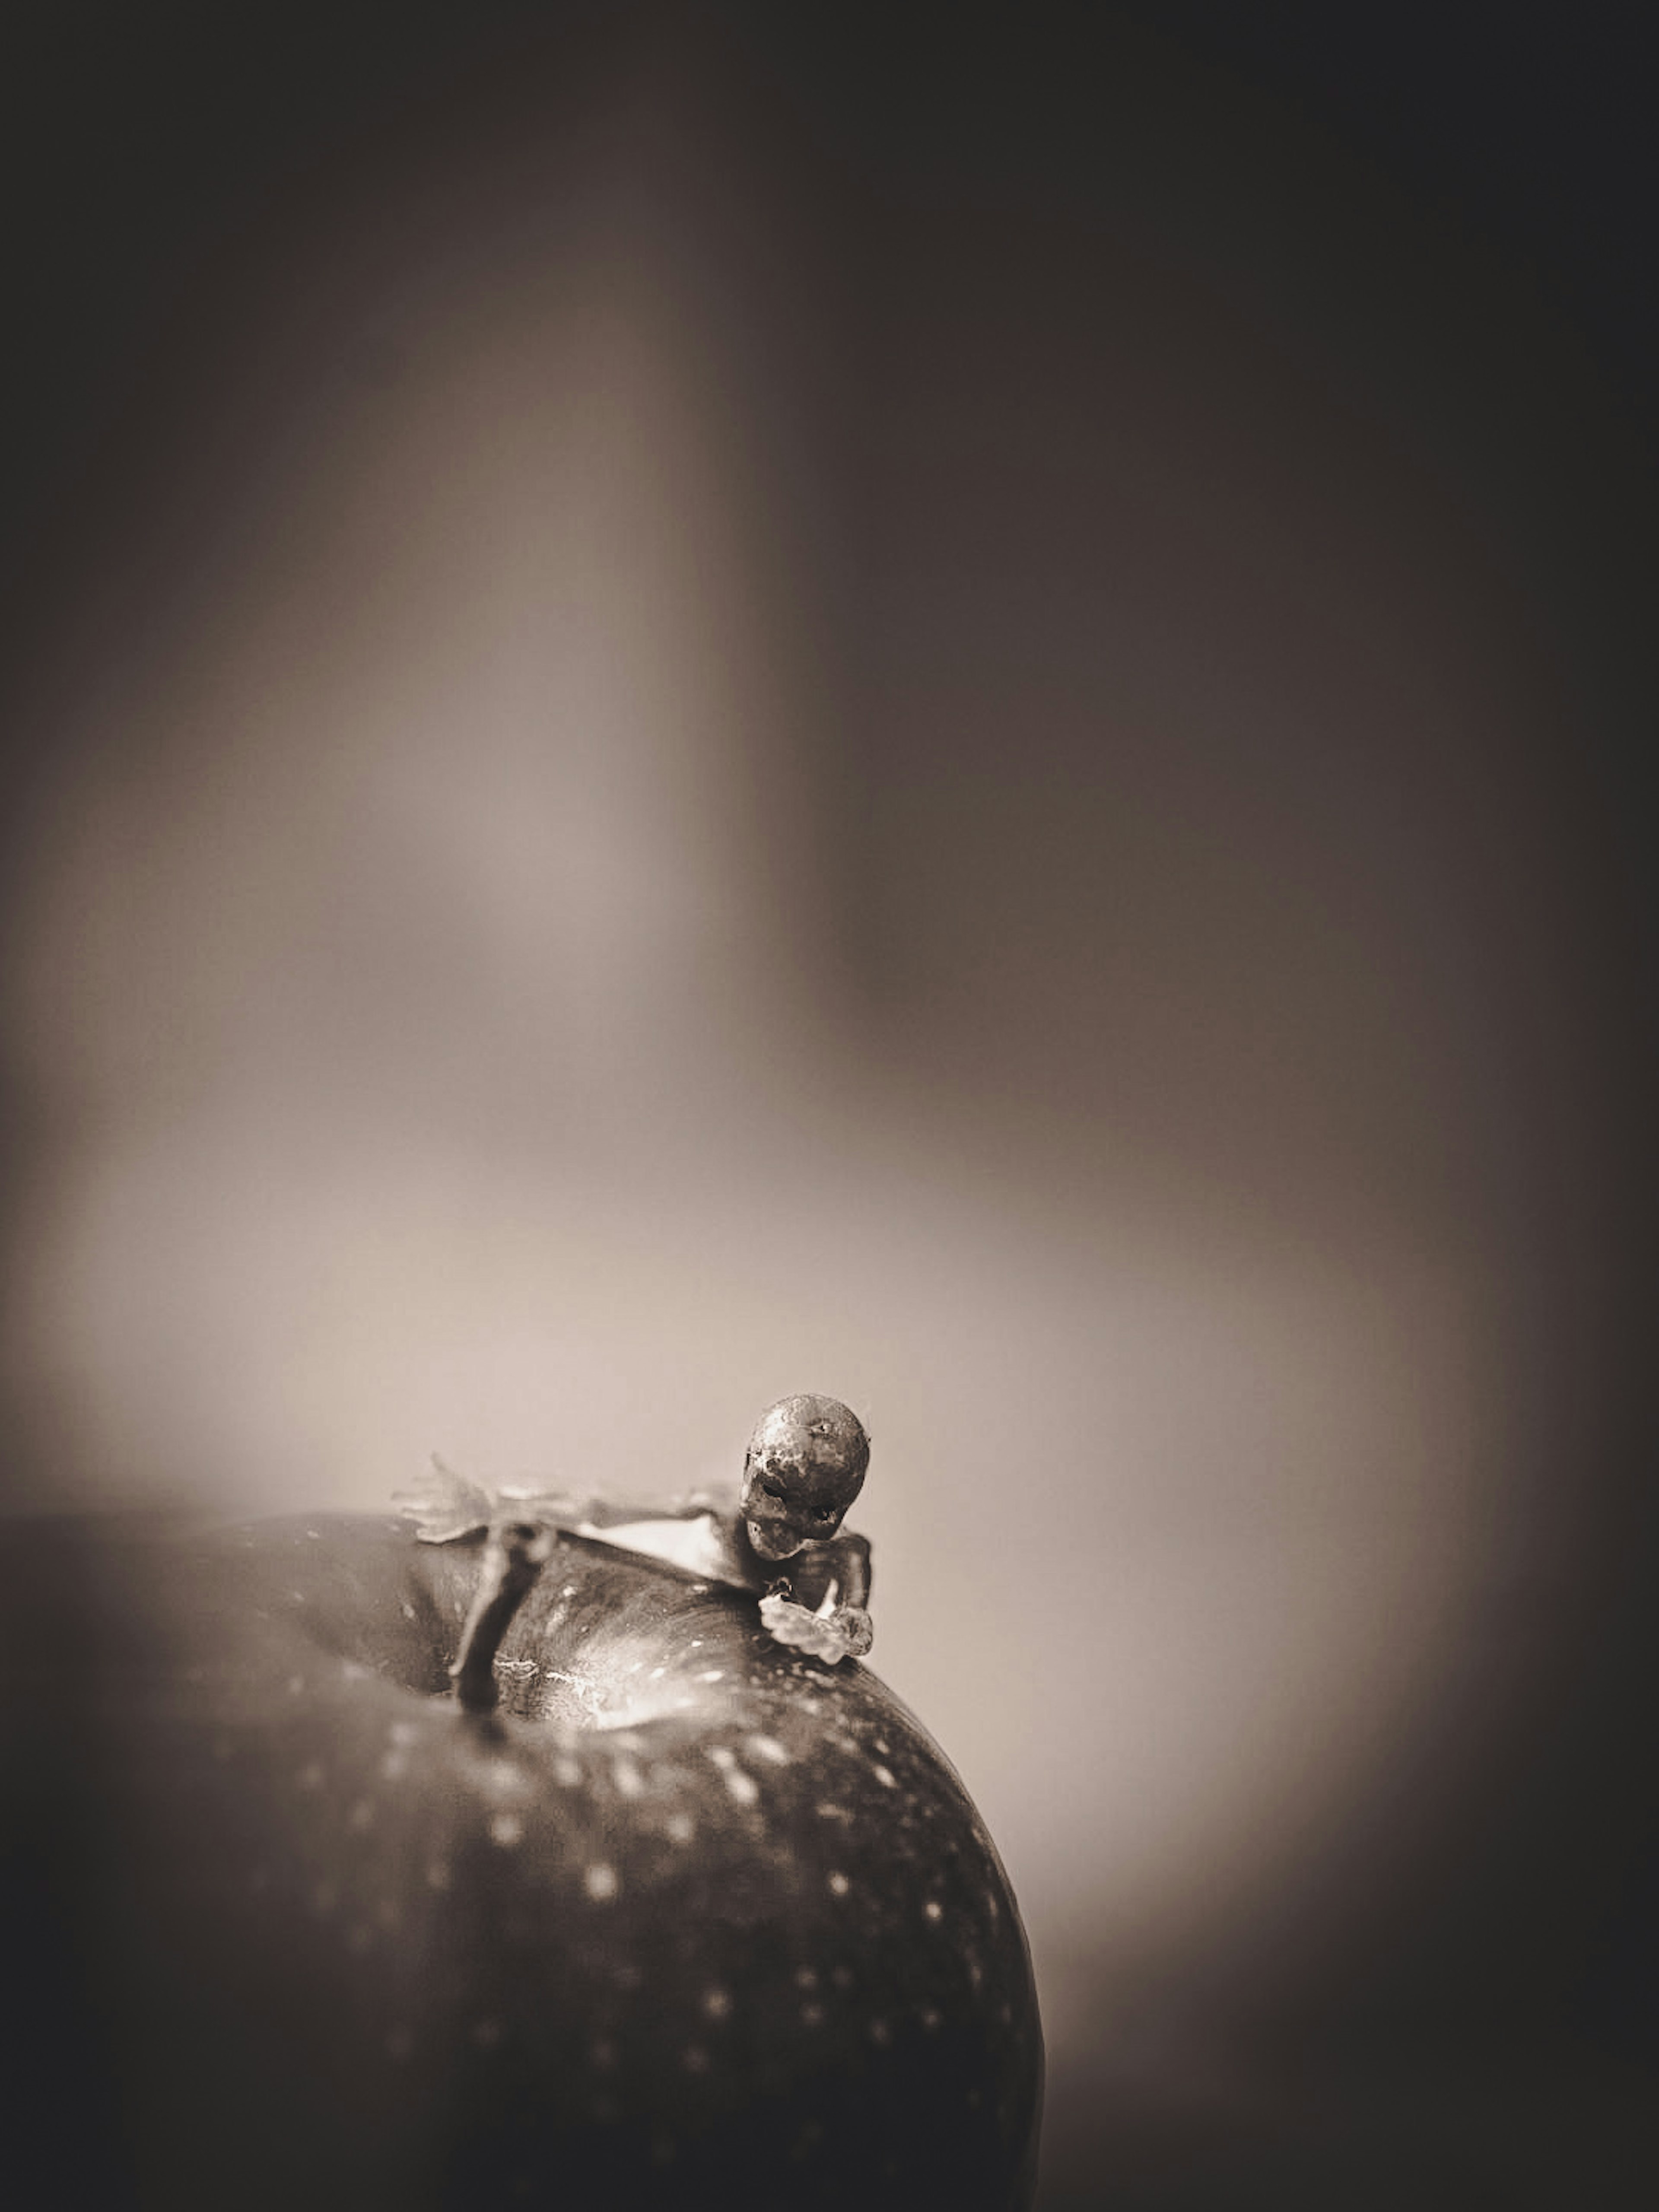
(688, 1918)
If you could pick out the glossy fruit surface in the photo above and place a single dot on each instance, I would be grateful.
(690, 1920)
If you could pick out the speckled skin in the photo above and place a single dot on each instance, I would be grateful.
(690, 1920)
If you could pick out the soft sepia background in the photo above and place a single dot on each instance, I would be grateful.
(705, 702)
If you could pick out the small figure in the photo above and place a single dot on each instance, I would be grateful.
(805, 1465)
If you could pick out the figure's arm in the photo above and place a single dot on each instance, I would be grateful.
(853, 1557)
(851, 1617)
(685, 1533)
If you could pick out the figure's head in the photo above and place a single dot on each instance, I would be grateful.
(805, 1467)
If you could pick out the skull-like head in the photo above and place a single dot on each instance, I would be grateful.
(805, 1467)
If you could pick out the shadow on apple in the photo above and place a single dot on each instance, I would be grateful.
(690, 1920)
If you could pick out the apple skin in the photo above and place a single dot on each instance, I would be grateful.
(690, 1920)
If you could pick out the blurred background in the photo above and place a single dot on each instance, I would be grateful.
(708, 701)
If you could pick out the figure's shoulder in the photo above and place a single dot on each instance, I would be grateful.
(445, 1505)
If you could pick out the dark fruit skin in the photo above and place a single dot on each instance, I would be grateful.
(690, 1920)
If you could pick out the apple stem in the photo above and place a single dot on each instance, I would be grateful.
(513, 1558)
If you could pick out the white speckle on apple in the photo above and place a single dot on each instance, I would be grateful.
(933, 1909)
(403, 1732)
(694, 2059)
(311, 1778)
(566, 1773)
(407, 1609)
(656, 1674)
(715, 1674)
(812, 2016)
(394, 1766)
(437, 1874)
(806, 1978)
(717, 2003)
(506, 1829)
(739, 1783)
(828, 1812)
(885, 1776)
(568, 1591)
(884, 1746)
(600, 1883)
(361, 1816)
(630, 1782)
(880, 2033)
(679, 1827)
(351, 1672)
(929, 2019)
(839, 1885)
(399, 2045)
(769, 1748)
(503, 1779)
